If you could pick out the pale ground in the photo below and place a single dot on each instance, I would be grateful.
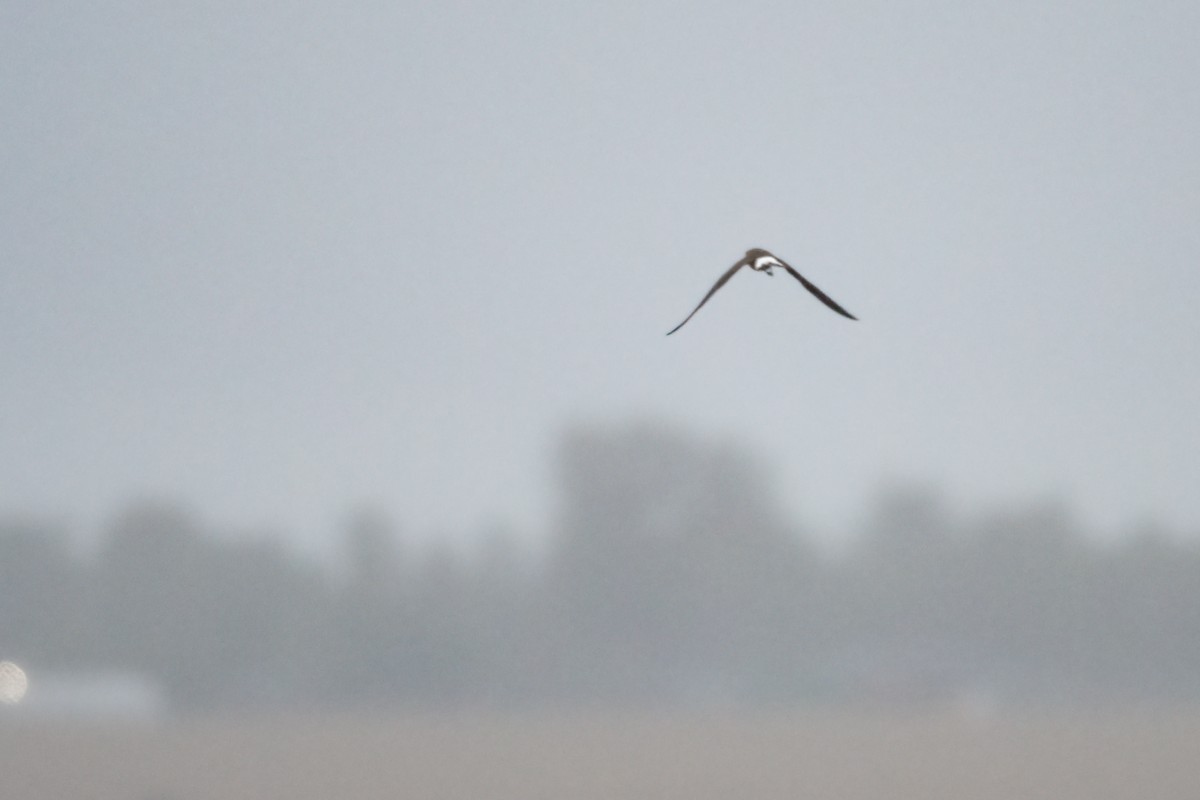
(845, 755)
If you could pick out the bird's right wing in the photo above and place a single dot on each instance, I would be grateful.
(817, 293)
(721, 281)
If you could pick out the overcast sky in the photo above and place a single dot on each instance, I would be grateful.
(278, 259)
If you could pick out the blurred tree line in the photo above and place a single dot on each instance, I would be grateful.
(672, 577)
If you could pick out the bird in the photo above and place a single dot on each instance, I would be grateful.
(761, 260)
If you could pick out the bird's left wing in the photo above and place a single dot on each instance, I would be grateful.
(721, 281)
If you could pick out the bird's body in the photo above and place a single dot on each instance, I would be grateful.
(761, 260)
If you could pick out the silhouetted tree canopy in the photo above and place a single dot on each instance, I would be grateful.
(671, 576)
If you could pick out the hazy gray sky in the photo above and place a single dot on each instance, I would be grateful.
(277, 261)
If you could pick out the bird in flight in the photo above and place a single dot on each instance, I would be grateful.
(761, 260)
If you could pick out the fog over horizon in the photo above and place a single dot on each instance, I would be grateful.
(672, 579)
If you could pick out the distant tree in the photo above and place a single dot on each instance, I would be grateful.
(907, 565)
(508, 624)
(43, 594)
(366, 658)
(151, 572)
(673, 571)
(216, 620)
(1146, 616)
(1028, 578)
(441, 648)
(371, 552)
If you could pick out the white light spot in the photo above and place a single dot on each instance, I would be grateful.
(13, 683)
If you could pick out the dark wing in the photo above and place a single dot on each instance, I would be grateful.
(721, 281)
(824, 298)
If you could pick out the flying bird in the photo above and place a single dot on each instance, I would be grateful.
(761, 260)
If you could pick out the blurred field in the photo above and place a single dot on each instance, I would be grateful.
(842, 755)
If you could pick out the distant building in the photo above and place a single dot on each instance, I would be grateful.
(87, 696)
